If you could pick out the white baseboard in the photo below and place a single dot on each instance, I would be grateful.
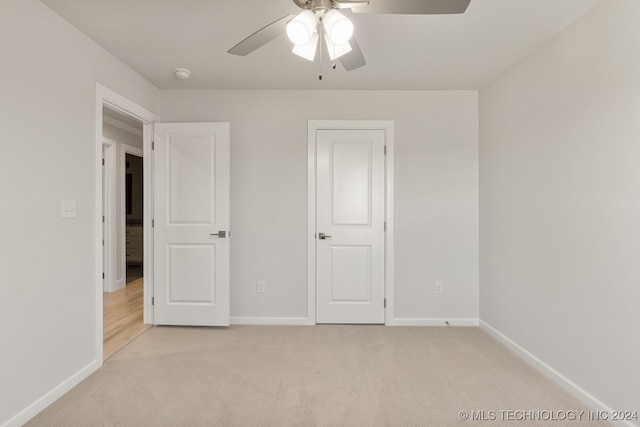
(564, 382)
(269, 321)
(394, 322)
(36, 407)
(433, 322)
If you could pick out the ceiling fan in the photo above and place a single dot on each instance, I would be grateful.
(320, 20)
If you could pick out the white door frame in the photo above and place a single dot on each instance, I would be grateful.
(109, 147)
(313, 127)
(117, 102)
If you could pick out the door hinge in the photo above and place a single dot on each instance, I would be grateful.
(153, 145)
(385, 303)
(102, 242)
(385, 226)
(102, 276)
(102, 162)
(385, 150)
(153, 300)
(153, 223)
(102, 218)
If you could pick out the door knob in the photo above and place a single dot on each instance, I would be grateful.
(323, 236)
(221, 234)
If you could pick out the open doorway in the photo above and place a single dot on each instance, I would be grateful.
(111, 105)
(123, 298)
(134, 211)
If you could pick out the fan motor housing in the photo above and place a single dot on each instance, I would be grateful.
(315, 5)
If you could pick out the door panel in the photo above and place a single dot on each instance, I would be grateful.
(350, 212)
(194, 264)
(191, 165)
(351, 274)
(351, 183)
(191, 206)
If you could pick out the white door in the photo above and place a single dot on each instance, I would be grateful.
(350, 226)
(191, 224)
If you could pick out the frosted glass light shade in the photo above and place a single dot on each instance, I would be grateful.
(307, 51)
(300, 29)
(337, 26)
(336, 50)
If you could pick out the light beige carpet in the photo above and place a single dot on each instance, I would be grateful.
(329, 375)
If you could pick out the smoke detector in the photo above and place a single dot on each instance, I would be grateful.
(182, 73)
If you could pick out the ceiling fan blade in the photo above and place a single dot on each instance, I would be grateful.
(354, 59)
(262, 36)
(349, 4)
(414, 7)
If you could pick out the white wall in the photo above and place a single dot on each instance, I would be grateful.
(436, 192)
(560, 204)
(48, 76)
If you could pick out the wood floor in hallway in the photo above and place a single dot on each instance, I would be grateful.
(123, 317)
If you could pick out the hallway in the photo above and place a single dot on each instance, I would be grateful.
(123, 317)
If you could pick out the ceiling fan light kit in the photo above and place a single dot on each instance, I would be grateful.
(304, 29)
(336, 50)
(307, 51)
(300, 29)
(322, 18)
(337, 27)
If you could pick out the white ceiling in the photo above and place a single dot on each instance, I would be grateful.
(402, 51)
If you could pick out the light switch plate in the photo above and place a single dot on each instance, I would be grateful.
(68, 209)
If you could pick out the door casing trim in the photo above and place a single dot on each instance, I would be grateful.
(115, 101)
(313, 127)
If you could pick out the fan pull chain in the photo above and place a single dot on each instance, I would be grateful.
(322, 31)
(334, 55)
(320, 63)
